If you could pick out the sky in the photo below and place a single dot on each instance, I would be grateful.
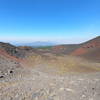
(63, 21)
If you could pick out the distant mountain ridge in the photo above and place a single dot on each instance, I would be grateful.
(37, 44)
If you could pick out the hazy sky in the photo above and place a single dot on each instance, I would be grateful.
(66, 21)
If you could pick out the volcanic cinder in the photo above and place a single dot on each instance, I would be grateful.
(61, 72)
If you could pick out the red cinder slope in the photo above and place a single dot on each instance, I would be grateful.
(90, 49)
(6, 55)
(10, 52)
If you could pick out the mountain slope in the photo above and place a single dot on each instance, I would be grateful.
(89, 49)
(65, 49)
(12, 50)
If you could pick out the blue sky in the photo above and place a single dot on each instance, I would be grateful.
(65, 21)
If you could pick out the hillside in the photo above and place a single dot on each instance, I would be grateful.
(89, 49)
(51, 72)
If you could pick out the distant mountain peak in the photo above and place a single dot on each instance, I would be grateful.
(37, 44)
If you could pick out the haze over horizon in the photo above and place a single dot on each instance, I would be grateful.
(62, 21)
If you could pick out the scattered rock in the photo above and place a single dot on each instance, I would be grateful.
(1, 76)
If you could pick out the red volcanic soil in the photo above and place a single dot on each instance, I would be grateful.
(11, 52)
(65, 49)
(58, 48)
(89, 49)
(5, 54)
(79, 51)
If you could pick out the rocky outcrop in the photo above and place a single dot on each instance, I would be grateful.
(18, 52)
